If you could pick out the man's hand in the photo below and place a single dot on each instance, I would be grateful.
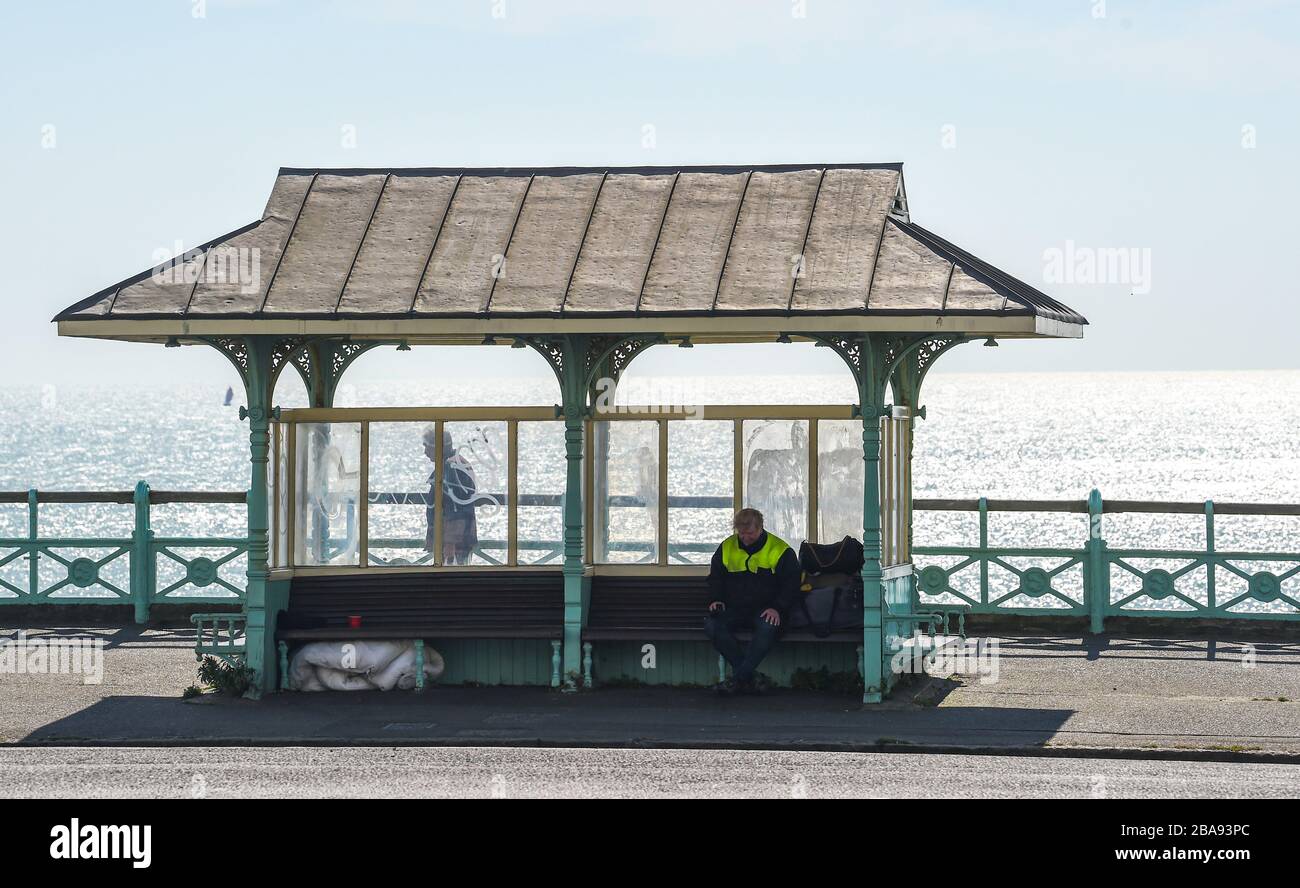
(716, 607)
(772, 616)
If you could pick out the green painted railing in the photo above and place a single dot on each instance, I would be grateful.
(1110, 582)
(85, 568)
(1092, 579)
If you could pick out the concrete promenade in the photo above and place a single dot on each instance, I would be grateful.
(1211, 698)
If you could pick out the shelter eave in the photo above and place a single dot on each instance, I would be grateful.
(737, 328)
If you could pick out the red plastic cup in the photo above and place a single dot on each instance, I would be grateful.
(354, 622)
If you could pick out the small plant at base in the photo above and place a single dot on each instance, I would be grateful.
(191, 691)
(224, 678)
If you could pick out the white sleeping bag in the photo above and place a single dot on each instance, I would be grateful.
(360, 666)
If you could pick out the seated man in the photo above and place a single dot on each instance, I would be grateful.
(752, 583)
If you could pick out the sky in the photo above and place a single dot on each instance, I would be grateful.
(1032, 134)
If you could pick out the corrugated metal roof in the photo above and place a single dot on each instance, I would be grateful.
(790, 240)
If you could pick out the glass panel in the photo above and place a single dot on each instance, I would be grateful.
(329, 473)
(475, 460)
(542, 471)
(700, 481)
(776, 475)
(280, 546)
(839, 479)
(627, 491)
(272, 462)
(400, 516)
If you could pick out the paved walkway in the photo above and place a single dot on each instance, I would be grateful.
(1147, 697)
(299, 772)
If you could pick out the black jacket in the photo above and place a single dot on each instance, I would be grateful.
(752, 593)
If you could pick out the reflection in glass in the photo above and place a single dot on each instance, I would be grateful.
(627, 491)
(399, 517)
(328, 464)
(839, 479)
(776, 475)
(542, 471)
(280, 504)
(700, 481)
(475, 467)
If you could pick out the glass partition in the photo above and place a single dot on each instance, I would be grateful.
(839, 479)
(326, 521)
(399, 505)
(279, 498)
(461, 487)
(475, 521)
(626, 514)
(542, 474)
(776, 475)
(701, 479)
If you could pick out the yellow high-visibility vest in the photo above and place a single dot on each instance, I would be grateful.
(737, 560)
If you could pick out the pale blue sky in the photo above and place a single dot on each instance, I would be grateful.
(1117, 131)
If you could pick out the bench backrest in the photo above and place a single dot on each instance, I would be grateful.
(660, 602)
(519, 599)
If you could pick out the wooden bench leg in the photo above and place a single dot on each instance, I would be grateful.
(419, 664)
(556, 660)
(284, 665)
(586, 664)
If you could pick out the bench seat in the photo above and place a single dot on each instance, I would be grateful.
(649, 609)
(469, 604)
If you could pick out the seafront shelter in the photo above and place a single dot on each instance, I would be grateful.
(564, 583)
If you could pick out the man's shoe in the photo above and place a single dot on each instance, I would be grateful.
(726, 688)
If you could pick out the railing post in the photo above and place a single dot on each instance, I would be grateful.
(33, 531)
(142, 555)
(984, 550)
(1097, 581)
(1210, 565)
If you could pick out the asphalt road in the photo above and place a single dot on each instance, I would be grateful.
(507, 772)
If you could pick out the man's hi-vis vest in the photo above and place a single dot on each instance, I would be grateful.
(737, 560)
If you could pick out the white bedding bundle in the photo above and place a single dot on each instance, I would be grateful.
(360, 666)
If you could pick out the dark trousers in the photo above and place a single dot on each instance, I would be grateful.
(721, 629)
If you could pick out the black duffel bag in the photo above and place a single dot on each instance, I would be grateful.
(832, 604)
(844, 557)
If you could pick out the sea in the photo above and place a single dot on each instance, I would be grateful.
(1171, 436)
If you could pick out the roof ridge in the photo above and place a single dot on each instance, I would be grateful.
(585, 170)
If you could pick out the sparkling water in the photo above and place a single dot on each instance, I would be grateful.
(1185, 436)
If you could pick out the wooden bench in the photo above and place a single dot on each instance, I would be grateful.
(394, 605)
(649, 609)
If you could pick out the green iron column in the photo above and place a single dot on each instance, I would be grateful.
(577, 360)
(573, 560)
(259, 360)
(573, 392)
(873, 653)
(864, 356)
(258, 610)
